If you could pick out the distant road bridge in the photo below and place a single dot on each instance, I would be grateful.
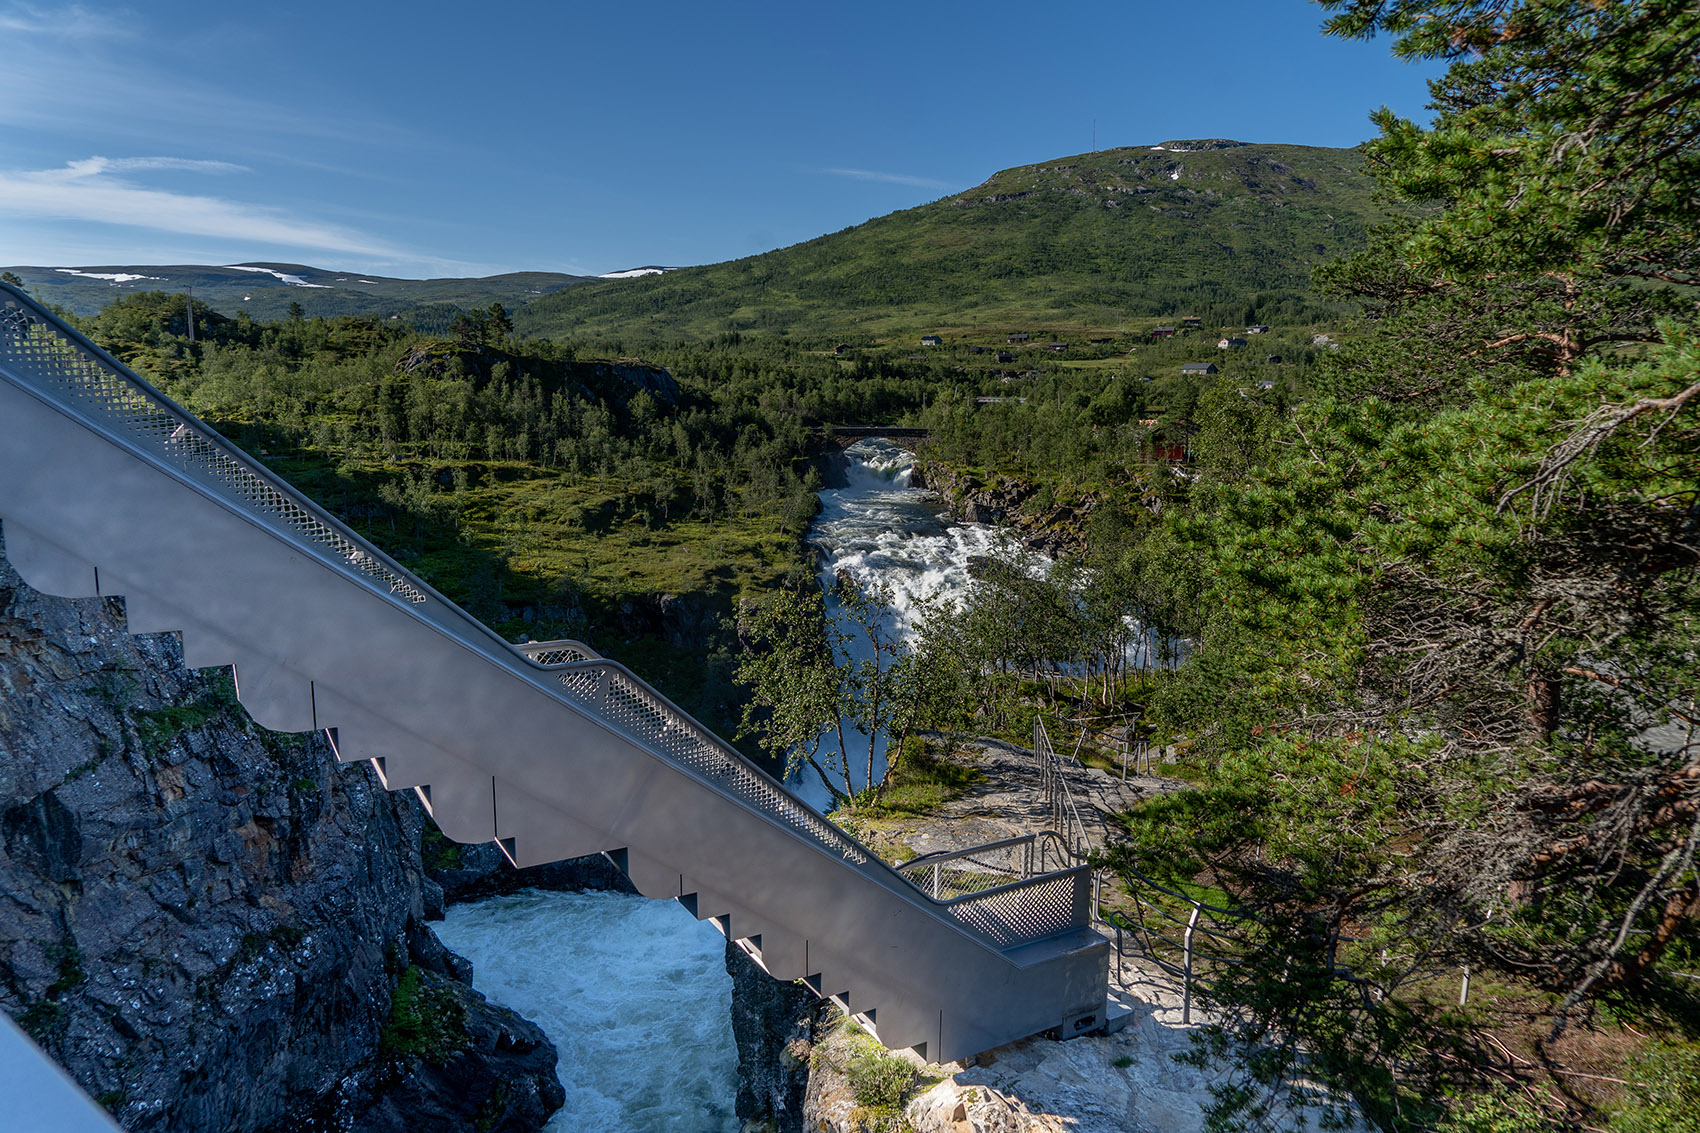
(843, 436)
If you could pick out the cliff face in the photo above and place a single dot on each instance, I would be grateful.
(207, 923)
(774, 1024)
(1050, 528)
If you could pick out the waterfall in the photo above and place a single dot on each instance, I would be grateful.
(879, 529)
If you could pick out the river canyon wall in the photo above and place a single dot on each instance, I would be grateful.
(211, 926)
(1053, 529)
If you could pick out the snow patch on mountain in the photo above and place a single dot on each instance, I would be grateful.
(114, 276)
(633, 273)
(291, 280)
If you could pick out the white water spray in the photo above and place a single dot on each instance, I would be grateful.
(632, 992)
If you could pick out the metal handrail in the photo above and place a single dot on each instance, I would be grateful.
(549, 654)
(1063, 809)
(938, 856)
(928, 871)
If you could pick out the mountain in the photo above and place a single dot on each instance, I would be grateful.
(1221, 229)
(265, 290)
(1191, 227)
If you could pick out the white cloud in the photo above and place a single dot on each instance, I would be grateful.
(74, 22)
(889, 178)
(93, 166)
(88, 191)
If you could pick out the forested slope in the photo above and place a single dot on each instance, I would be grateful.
(1196, 227)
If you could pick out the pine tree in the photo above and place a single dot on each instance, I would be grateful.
(1445, 670)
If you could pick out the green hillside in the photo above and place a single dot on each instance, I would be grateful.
(1195, 227)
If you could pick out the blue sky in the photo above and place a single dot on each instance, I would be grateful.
(432, 138)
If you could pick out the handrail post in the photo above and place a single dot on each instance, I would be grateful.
(936, 881)
(1186, 978)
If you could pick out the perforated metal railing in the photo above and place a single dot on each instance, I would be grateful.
(56, 361)
(609, 691)
(993, 892)
(1026, 910)
(957, 873)
(32, 346)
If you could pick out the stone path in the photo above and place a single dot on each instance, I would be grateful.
(1128, 1082)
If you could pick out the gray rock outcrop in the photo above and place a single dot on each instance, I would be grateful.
(774, 1025)
(1050, 529)
(207, 923)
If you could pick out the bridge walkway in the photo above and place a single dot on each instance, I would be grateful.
(109, 488)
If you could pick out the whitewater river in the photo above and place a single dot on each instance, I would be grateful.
(633, 992)
(881, 531)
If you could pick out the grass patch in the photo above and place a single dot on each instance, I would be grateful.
(426, 1020)
(43, 1021)
(929, 775)
(437, 851)
(158, 727)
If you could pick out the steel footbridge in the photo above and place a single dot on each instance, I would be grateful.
(109, 488)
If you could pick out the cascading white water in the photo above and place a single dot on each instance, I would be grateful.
(881, 531)
(632, 992)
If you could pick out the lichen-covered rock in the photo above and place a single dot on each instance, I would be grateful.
(205, 922)
(773, 1024)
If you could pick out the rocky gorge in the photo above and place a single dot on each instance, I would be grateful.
(211, 926)
(1040, 523)
(215, 926)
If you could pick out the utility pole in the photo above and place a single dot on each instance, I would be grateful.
(191, 314)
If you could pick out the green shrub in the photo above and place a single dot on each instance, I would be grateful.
(1495, 1113)
(1666, 1098)
(438, 852)
(880, 1081)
